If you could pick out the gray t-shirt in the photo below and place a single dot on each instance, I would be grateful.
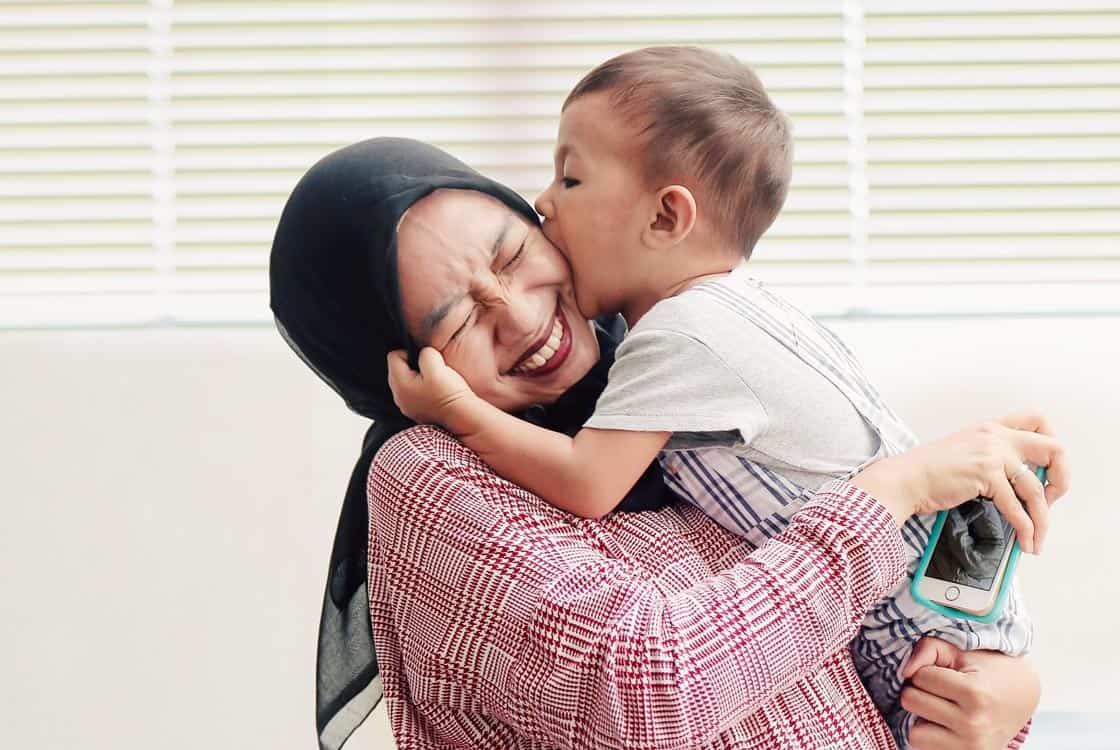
(695, 366)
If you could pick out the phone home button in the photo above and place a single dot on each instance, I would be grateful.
(952, 593)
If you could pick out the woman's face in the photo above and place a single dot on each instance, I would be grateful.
(488, 290)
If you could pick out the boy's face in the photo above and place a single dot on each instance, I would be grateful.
(594, 210)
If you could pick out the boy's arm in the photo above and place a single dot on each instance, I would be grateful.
(588, 475)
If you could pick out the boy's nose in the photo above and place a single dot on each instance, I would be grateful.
(543, 204)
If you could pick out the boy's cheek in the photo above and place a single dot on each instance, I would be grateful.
(586, 300)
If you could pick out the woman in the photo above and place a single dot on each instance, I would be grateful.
(501, 622)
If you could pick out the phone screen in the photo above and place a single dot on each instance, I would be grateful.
(971, 545)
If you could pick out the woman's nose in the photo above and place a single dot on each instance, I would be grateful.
(519, 318)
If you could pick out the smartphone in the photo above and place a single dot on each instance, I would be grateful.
(969, 559)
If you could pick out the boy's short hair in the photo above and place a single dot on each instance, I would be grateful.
(705, 114)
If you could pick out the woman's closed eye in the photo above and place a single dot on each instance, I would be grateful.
(516, 256)
(463, 327)
(474, 310)
(509, 264)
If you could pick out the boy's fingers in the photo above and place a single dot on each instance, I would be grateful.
(397, 362)
(927, 652)
(429, 358)
(923, 655)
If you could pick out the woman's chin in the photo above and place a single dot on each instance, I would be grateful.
(528, 389)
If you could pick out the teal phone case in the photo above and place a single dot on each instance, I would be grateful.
(1004, 586)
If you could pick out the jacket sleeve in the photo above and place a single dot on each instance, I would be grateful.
(509, 608)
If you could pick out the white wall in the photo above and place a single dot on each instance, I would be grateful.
(169, 496)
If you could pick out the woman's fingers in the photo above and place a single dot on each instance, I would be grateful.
(1029, 420)
(1048, 451)
(1029, 489)
(1057, 479)
(930, 707)
(1005, 499)
(950, 684)
(929, 736)
(1057, 472)
(1039, 449)
(1036, 449)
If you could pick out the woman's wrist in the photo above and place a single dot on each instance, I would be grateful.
(886, 480)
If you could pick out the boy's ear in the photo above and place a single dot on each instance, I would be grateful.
(674, 217)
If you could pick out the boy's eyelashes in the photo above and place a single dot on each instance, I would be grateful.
(569, 182)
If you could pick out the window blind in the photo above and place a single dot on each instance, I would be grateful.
(993, 154)
(77, 163)
(947, 158)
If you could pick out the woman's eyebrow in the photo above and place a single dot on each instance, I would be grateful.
(436, 316)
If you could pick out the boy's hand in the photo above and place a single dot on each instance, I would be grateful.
(932, 652)
(428, 396)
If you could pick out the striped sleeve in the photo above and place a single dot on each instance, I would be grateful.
(507, 610)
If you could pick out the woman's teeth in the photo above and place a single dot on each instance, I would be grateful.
(545, 353)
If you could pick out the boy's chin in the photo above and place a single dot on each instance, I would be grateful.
(589, 308)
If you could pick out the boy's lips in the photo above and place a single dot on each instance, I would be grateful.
(539, 360)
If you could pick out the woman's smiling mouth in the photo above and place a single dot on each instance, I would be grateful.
(549, 352)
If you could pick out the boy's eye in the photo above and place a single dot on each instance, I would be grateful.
(569, 182)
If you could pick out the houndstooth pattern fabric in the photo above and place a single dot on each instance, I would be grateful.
(502, 622)
(758, 500)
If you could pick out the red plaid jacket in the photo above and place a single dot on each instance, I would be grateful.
(502, 622)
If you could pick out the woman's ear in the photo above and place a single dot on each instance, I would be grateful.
(674, 217)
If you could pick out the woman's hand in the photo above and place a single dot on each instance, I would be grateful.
(967, 700)
(981, 461)
(428, 396)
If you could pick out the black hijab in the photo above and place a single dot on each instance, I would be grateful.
(336, 300)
